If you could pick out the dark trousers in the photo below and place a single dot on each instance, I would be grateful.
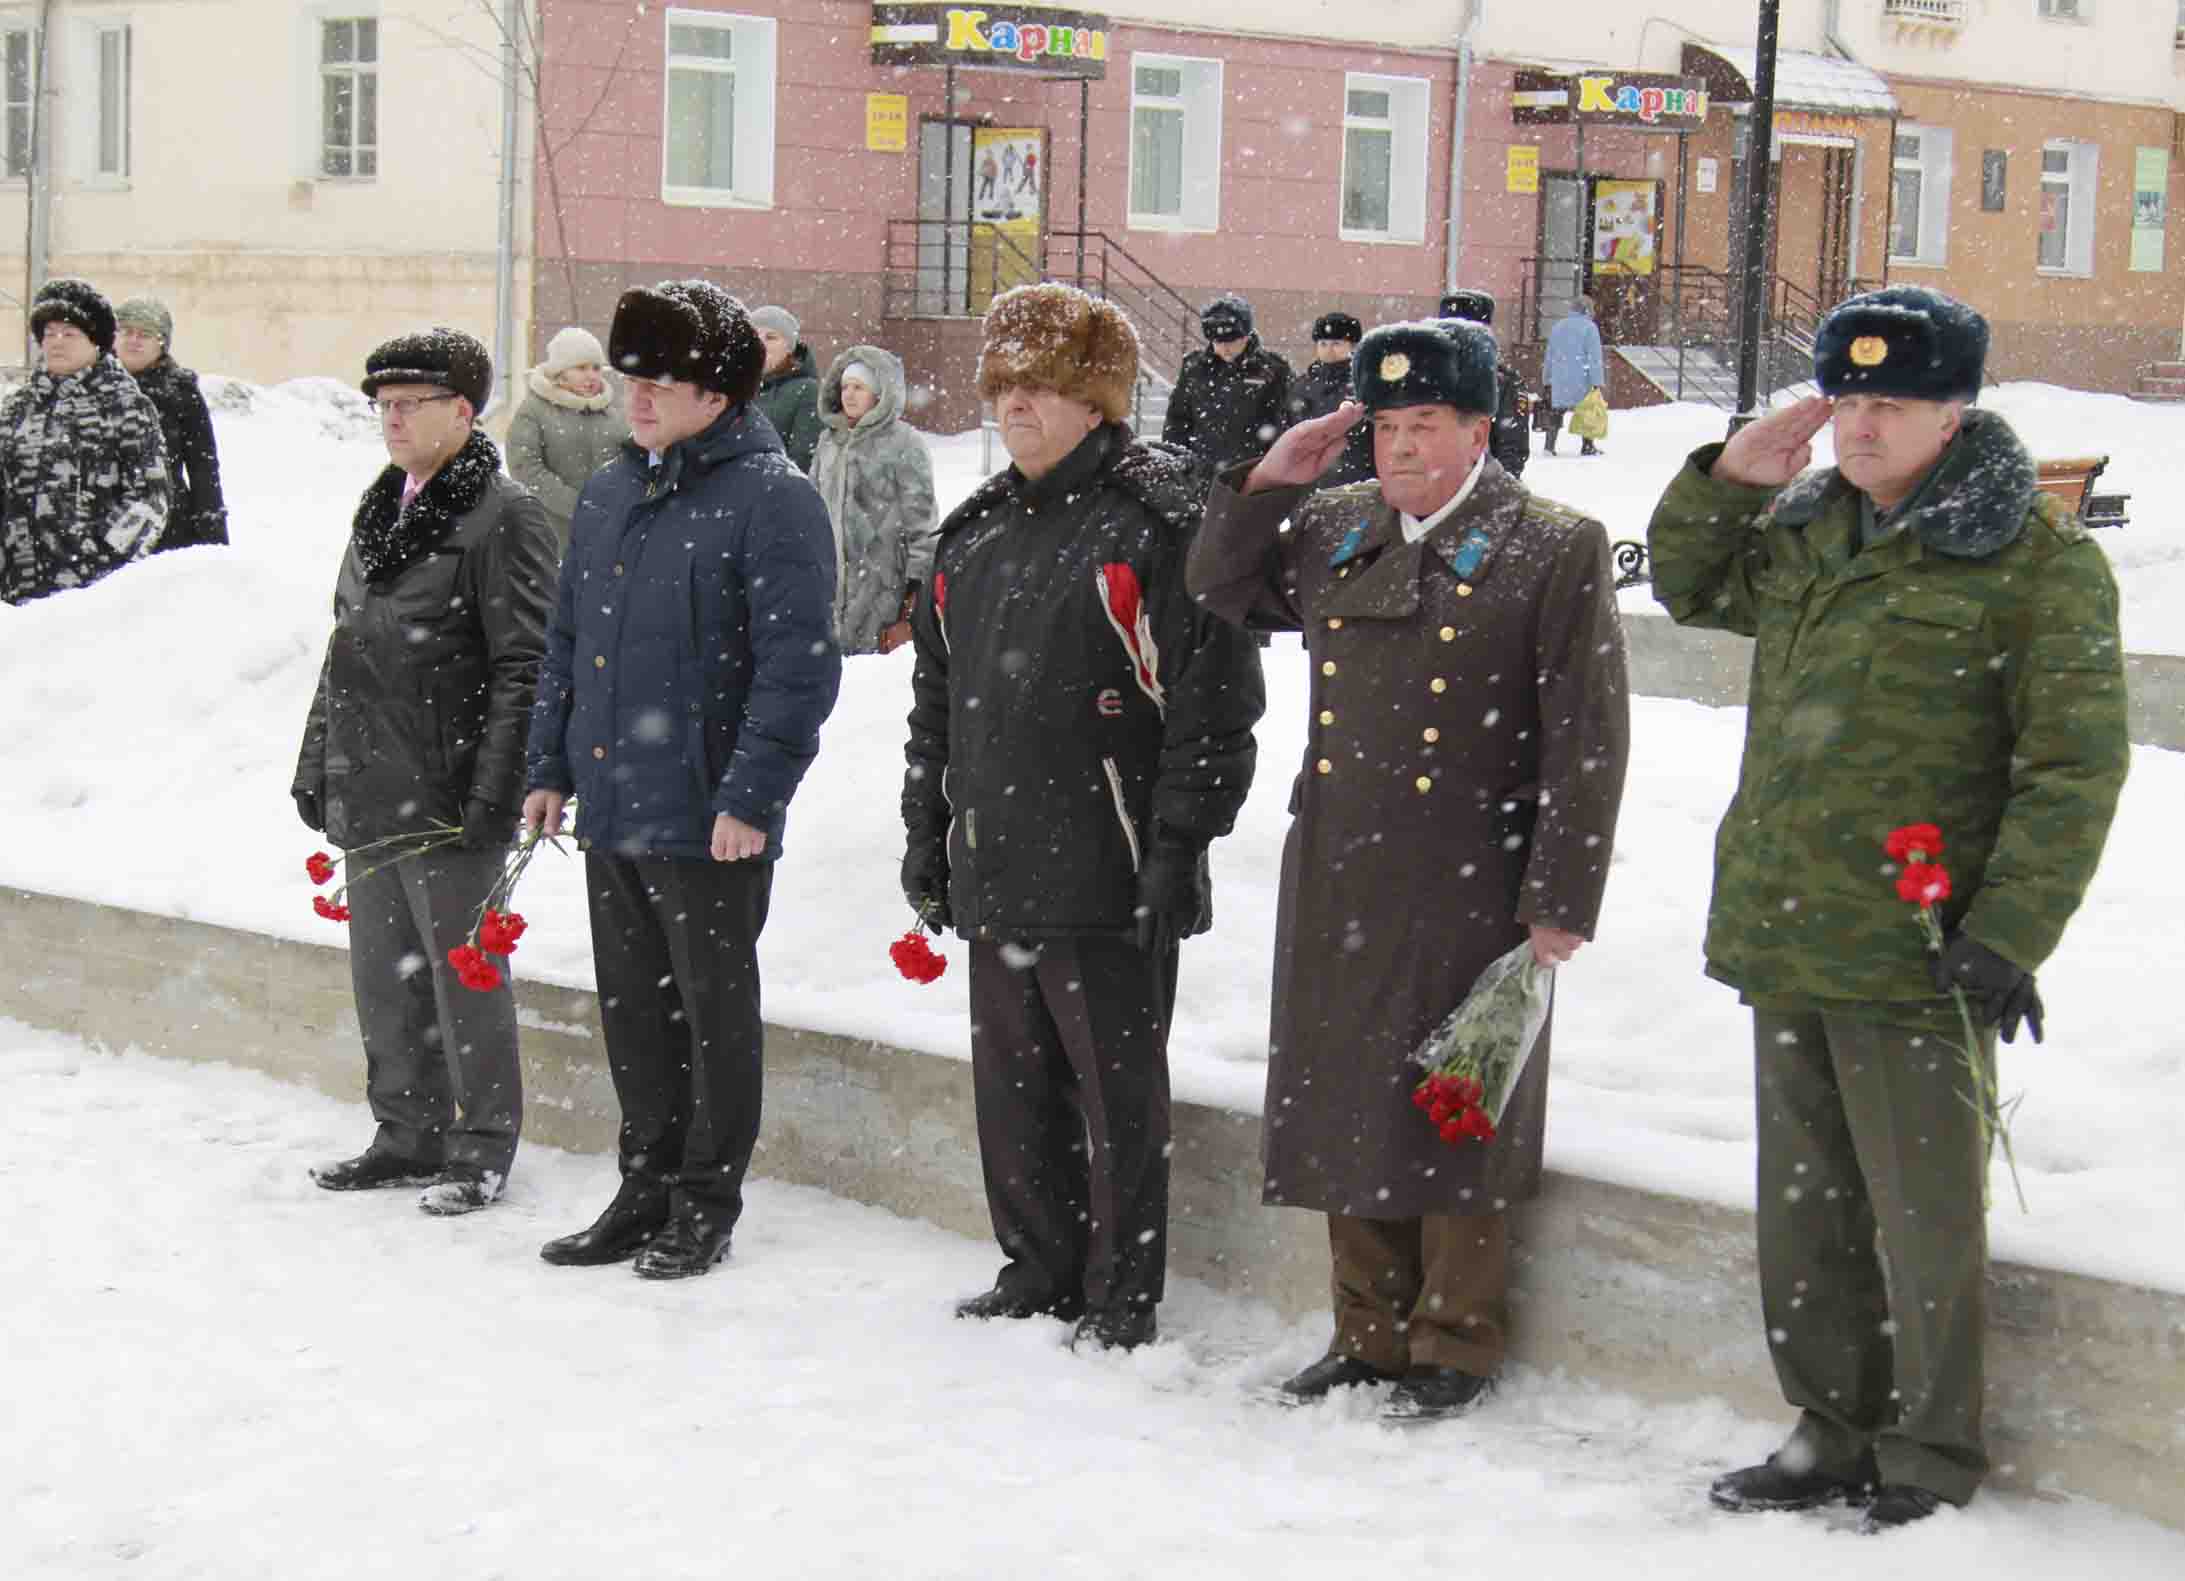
(675, 947)
(1873, 1244)
(440, 1062)
(1554, 425)
(1425, 1292)
(1069, 1069)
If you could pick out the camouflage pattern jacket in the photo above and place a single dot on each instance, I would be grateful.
(1965, 671)
(83, 480)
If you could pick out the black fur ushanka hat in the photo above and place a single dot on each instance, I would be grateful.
(1905, 341)
(1445, 362)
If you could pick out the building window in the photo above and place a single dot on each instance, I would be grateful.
(21, 47)
(2067, 10)
(1919, 224)
(718, 141)
(1994, 180)
(112, 142)
(1175, 142)
(2066, 244)
(1384, 159)
(349, 97)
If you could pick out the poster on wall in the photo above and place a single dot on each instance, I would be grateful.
(1623, 227)
(2150, 207)
(1005, 202)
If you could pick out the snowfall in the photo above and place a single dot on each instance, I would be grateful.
(213, 1369)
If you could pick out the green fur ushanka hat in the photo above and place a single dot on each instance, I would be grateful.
(1445, 362)
(1905, 341)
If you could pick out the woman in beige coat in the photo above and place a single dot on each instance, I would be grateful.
(570, 425)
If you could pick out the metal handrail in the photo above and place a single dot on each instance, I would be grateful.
(904, 288)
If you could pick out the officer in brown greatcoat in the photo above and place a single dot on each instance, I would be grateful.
(1462, 773)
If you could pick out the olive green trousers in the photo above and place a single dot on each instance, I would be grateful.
(1873, 1244)
(1425, 1292)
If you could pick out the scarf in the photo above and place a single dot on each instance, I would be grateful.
(388, 537)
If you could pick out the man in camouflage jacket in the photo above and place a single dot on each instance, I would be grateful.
(1936, 643)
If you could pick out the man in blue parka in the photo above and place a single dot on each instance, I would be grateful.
(689, 666)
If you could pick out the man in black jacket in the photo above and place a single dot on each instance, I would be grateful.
(1080, 732)
(689, 666)
(418, 727)
(143, 341)
(1509, 440)
(1232, 398)
(1325, 385)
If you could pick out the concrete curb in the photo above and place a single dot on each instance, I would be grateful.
(1643, 1293)
(1668, 660)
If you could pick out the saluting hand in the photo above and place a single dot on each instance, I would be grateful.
(1769, 453)
(1305, 451)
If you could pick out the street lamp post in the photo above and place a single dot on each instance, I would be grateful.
(1759, 160)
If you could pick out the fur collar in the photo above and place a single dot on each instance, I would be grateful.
(1168, 480)
(386, 537)
(1973, 507)
(547, 390)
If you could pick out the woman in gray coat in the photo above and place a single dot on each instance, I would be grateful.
(873, 471)
(568, 427)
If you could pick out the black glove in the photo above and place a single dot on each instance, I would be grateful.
(309, 810)
(1997, 990)
(487, 827)
(925, 884)
(1171, 895)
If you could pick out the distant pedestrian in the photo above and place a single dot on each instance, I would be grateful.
(1232, 397)
(1325, 385)
(689, 666)
(83, 469)
(418, 723)
(1510, 440)
(789, 389)
(571, 424)
(1574, 367)
(144, 341)
(873, 471)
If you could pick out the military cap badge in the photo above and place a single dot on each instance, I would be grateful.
(1394, 366)
(1870, 351)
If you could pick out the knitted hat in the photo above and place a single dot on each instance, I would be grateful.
(1059, 338)
(690, 330)
(70, 301)
(780, 320)
(863, 375)
(1905, 341)
(572, 348)
(1227, 317)
(149, 314)
(1448, 362)
(1478, 306)
(446, 358)
(1337, 326)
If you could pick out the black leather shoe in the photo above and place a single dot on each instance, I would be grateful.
(1327, 1375)
(1771, 1485)
(461, 1188)
(1118, 1328)
(1898, 1504)
(1427, 1394)
(687, 1247)
(371, 1169)
(1001, 1302)
(632, 1219)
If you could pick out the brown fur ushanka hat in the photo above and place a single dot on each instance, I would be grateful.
(1059, 338)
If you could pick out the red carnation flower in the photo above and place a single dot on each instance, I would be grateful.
(1924, 884)
(1474, 1123)
(1915, 842)
(1452, 1131)
(915, 958)
(320, 866)
(327, 909)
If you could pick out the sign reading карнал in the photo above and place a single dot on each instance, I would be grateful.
(1037, 39)
(1608, 98)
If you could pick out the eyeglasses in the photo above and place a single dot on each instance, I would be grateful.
(405, 407)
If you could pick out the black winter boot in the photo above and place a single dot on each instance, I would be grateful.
(1328, 1374)
(635, 1216)
(1117, 1328)
(689, 1246)
(1772, 1485)
(1003, 1302)
(1898, 1504)
(1428, 1394)
(461, 1188)
(371, 1170)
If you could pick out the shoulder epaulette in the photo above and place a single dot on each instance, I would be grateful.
(2059, 518)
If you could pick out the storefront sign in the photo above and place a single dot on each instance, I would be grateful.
(1811, 126)
(887, 123)
(1623, 227)
(1028, 38)
(1524, 171)
(2150, 207)
(1609, 98)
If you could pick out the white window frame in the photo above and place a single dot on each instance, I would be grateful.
(315, 21)
(1200, 104)
(1409, 108)
(2075, 11)
(1938, 148)
(11, 26)
(2081, 183)
(84, 104)
(752, 59)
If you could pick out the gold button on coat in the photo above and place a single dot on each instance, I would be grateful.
(1431, 734)
(1424, 784)
(599, 661)
(1327, 667)
(1335, 623)
(1464, 590)
(599, 752)
(1437, 684)
(1327, 716)
(1324, 766)
(1449, 634)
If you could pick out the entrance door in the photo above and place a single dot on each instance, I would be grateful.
(944, 218)
(1562, 247)
(1833, 283)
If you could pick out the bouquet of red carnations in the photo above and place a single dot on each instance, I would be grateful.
(1474, 1058)
(913, 957)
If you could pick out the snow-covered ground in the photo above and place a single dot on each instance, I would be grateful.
(152, 723)
(213, 1370)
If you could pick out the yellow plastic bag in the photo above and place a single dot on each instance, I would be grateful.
(1589, 418)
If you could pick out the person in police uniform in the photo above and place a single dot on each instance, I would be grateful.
(1463, 766)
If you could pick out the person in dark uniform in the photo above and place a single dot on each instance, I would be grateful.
(1325, 385)
(1232, 397)
(1510, 440)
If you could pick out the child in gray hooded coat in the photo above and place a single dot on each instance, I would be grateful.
(872, 470)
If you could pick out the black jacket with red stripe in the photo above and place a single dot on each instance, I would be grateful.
(1071, 705)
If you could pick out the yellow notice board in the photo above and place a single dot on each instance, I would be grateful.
(1623, 227)
(1007, 187)
(1524, 171)
(887, 123)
